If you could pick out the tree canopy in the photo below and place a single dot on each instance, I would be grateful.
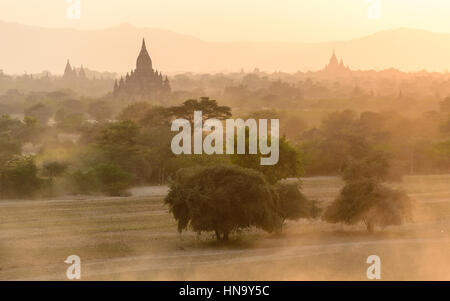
(223, 199)
(369, 202)
(292, 203)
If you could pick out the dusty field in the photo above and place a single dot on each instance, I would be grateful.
(135, 238)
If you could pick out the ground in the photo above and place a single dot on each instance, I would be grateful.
(135, 238)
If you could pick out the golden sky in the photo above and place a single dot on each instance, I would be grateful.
(240, 20)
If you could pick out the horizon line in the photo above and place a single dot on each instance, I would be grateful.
(129, 24)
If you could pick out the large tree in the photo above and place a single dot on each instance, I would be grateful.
(19, 178)
(13, 134)
(370, 202)
(209, 107)
(364, 198)
(223, 199)
(118, 143)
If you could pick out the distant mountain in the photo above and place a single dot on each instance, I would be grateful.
(33, 49)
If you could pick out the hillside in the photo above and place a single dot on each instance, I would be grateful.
(34, 49)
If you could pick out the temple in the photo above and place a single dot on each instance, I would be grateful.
(143, 83)
(336, 67)
(71, 73)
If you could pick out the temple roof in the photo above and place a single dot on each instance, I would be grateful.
(144, 62)
(68, 70)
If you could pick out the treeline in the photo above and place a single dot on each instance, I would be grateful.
(111, 153)
(360, 90)
(108, 157)
(222, 193)
(63, 106)
(97, 85)
(412, 145)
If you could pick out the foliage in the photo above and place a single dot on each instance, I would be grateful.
(445, 105)
(150, 137)
(39, 111)
(374, 166)
(12, 135)
(223, 199)
(370, 202)
(156, 117)
(118, 134)
(119, 144)
(71, 122)
(134, 112)
(104, 178)
(19, 178)
(100, 110)
(292, 204)
(364, 197)
(54, 168)
(345, 137)
(209, 108)
(289, 163)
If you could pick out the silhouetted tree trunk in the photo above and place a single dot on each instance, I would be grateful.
(369, 226)
(225, 236)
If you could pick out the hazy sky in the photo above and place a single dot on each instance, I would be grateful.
(243, 20)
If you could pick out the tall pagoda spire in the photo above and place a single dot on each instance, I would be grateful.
(68, 72)
(333, 59)
(81, 73)
(144, 62)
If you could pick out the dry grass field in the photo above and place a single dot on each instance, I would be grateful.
(135, 238)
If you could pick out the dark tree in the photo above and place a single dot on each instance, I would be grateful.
(100, 110)
(223, 199)
(12, 136)
(445, 105)
(292, 204)
(365, 199)
(105, 178)
(375, 166)
(370, 202)
(53, 169)
(19, 178)
(118, 143)
(209, 108)
(156, 116)
(288, 165)
(39, 111)
(134, 112)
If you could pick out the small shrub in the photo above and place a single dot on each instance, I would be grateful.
(292, 204)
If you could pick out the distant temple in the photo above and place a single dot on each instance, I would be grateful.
(143, 83)
(334, 67)
(71, 74)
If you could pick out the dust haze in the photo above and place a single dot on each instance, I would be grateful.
(136, 239)
(87, 165)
